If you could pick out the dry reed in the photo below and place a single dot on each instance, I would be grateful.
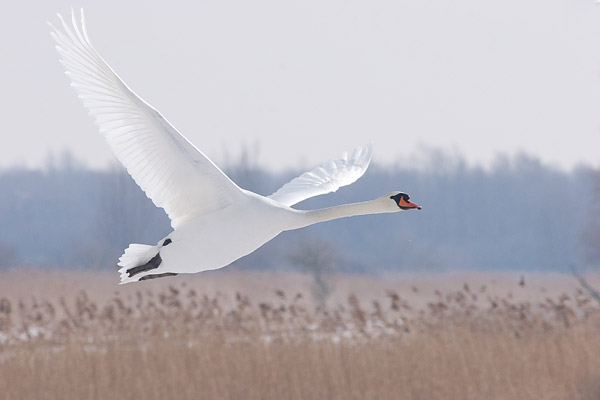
(177, 342)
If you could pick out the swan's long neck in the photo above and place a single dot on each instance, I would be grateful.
(310, 217)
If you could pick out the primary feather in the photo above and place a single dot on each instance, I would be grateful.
(326, 178)
(169, 169)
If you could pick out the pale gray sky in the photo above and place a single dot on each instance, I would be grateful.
(308, 79)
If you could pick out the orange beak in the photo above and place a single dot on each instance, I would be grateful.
(407, 204)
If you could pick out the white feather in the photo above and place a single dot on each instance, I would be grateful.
(172, 172)
(325, 178)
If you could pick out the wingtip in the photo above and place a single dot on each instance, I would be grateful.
(73, 17)
(362, 155)
(60, 17)
(365, 149)
(369, 148)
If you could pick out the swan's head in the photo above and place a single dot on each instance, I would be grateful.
(402, 201)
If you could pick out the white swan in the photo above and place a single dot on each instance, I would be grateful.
(215, 222)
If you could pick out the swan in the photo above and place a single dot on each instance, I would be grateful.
(214, 221)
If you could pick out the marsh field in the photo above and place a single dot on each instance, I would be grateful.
(251, 335)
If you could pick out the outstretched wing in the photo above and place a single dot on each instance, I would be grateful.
(326, 178)
(172, 172)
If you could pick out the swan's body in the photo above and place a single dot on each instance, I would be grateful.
(215, 222)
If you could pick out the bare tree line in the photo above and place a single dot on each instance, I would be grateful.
(518, 214)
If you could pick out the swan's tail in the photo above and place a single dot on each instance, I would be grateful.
(137, 259)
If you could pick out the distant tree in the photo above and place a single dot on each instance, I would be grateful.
(8, 256)
(318, 258)
(590, 236)
(517, 213)
(123, 215)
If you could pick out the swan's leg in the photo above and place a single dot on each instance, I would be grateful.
(150, 265)
(154, 276)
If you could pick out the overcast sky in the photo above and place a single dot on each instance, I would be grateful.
(301, 81)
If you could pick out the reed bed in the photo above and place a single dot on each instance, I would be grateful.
(178, 341)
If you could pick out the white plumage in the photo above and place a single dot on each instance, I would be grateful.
(326, 178)
(215, 222)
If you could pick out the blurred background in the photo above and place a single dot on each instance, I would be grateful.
(488, 115)
(486, 112)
